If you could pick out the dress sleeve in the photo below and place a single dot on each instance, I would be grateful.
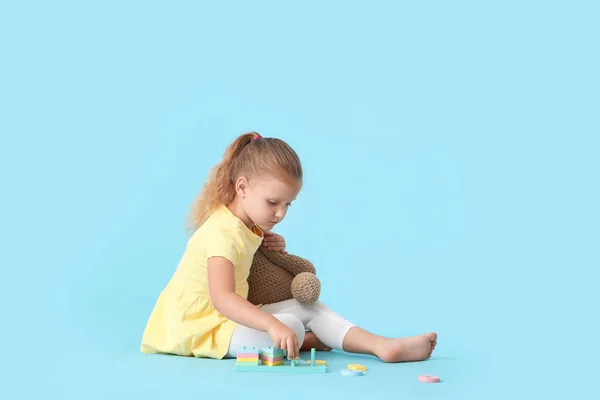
(222, 244)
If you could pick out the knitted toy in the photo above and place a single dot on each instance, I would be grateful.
(275, 277)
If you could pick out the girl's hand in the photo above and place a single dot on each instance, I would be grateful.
(284, 338)
(274, 242)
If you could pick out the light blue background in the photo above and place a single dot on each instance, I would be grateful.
(451, 162)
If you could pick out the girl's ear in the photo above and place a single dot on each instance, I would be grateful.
(241, 186)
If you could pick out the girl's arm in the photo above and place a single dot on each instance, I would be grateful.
(221, 284)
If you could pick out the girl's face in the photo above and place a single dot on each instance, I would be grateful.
(265, 200)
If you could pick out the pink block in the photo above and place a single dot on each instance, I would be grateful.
(429, 378)
(266, 358)
(247, 356)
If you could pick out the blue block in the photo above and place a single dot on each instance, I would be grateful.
(248, 350)
(271, 351)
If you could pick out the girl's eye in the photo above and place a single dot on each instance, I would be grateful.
(274, 203)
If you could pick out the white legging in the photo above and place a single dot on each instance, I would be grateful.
(329, 327)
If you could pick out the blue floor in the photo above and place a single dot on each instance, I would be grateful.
(470, 363)
(132, 375)
(110, 366)
(451, 184)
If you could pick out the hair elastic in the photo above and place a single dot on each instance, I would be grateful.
(257, 137)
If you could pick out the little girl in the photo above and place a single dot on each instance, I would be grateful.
(203, 311)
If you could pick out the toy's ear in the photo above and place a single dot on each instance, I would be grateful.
(289, 262)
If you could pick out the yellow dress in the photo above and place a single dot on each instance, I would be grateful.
(184, 320)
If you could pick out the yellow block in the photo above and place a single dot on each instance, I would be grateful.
(248, 359)
(356, 367)
(272, 363)
(320, 362)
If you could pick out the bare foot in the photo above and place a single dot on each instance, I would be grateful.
(312, 341)
(414, 348)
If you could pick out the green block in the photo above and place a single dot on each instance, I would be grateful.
(246, 363)
(298, 369)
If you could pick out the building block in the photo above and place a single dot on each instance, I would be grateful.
(356, 367)
(247, 356)
(271, 356)
(320, 362)
(271, 351)
(267, 363)
(248, 351)
(247, 363)
(351, 372)
(272, 363)
(267, 359)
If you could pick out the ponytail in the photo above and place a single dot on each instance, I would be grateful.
(249, 154)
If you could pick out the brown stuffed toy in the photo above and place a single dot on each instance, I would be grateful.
(276, 277)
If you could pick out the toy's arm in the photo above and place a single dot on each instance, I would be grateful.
(289, 262)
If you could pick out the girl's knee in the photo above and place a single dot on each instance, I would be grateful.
(294, 323)
(320, 305)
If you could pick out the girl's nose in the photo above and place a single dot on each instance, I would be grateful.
(279, 215)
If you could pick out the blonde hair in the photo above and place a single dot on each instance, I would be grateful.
(250, 155)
